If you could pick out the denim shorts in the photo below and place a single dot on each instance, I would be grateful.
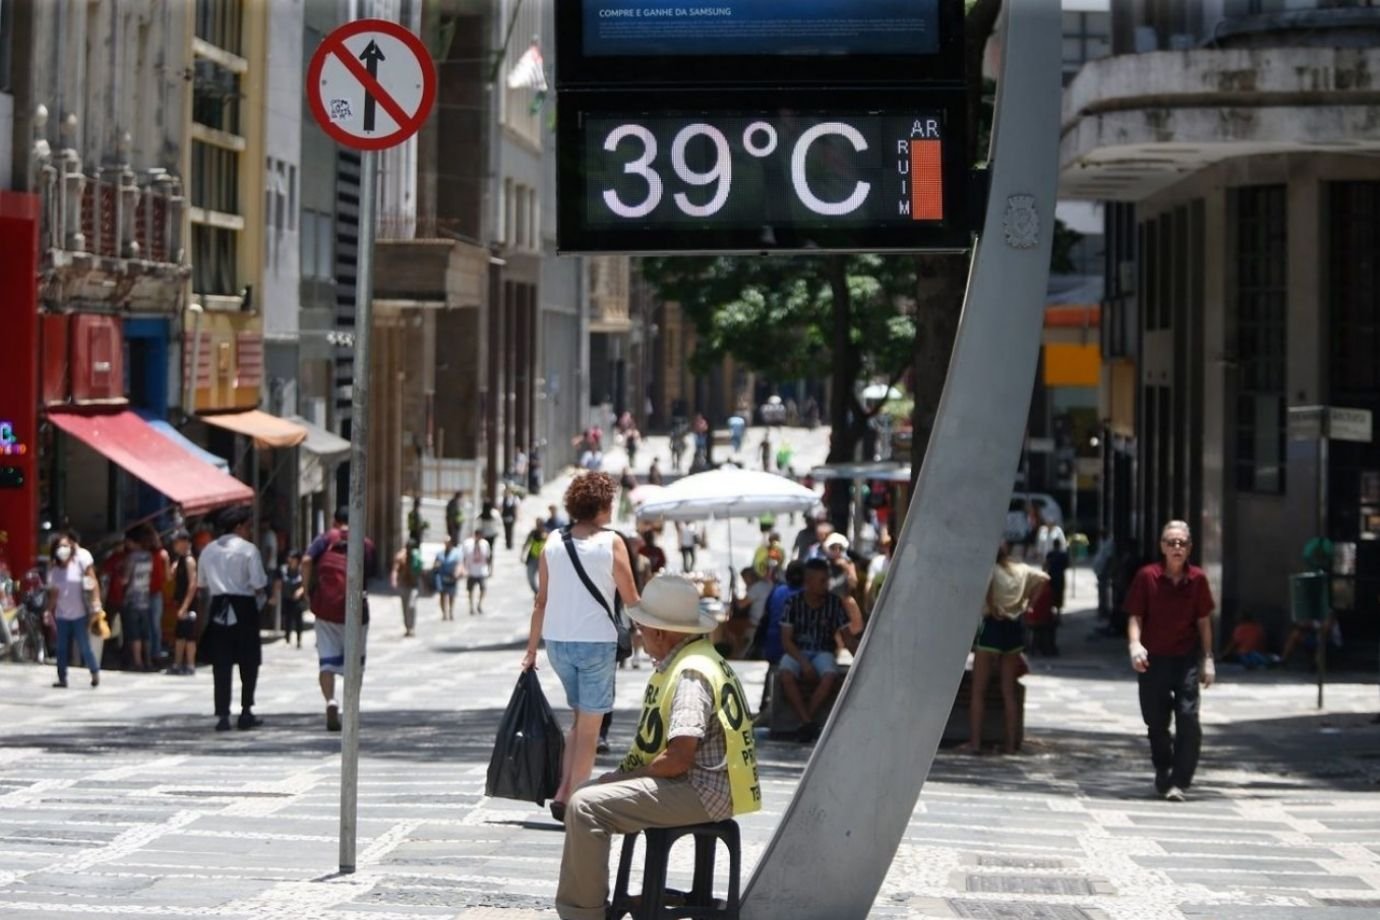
(822, 662)
(586, 670)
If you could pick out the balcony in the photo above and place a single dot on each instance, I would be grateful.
(608, 294)
(112, 238)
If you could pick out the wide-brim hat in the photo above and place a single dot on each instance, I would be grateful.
(672, 603)
(836, 539)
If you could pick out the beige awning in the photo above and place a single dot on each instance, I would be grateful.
(266, 430)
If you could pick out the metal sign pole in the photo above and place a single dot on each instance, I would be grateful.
(359, 442)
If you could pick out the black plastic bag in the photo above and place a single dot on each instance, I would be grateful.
(526, 763)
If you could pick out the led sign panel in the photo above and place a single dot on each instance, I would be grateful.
(740, 42)
(843, 175)
(633, 28)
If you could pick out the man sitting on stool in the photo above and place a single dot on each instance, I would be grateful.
(693, 760)
(815, 618)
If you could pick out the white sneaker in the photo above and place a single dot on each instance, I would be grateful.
(1174, 794)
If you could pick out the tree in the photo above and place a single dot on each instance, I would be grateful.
(855, 315)
(799, 316)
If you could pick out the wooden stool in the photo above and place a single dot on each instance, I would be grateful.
(699, 902)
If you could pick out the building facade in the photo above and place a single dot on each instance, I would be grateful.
(1235, 141)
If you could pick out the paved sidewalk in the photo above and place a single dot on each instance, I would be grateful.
(122, 802)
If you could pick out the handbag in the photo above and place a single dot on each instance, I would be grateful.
(99, 627)
(624, 636)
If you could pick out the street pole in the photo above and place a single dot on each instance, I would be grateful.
(354, 584)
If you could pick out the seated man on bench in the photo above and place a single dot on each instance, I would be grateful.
(815, 621)
(693, 760)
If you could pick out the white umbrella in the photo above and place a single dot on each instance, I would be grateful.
(880, 391)
(728, 492)
(644, 493)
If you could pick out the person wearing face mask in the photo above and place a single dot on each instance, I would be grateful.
(74, 599)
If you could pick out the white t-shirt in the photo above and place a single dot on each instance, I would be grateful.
(572, 613)
(688, 533)
(231, 565)
(877, 567)
(476, 554)
(69, 580)
(758, 594)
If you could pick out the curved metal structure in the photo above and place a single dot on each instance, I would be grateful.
(840, 833)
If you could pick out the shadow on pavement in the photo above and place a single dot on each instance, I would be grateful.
(1335, 752)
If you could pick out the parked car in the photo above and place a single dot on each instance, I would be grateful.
(1018, 524)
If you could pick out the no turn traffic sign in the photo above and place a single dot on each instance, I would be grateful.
(371, 84)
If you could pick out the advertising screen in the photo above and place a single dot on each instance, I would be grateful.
(648, 43)
(745, 178)
(757, 27)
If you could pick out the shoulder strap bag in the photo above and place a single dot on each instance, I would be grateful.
(624, 636)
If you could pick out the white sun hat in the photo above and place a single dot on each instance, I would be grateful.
(672, 603)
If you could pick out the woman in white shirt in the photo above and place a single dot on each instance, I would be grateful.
(581, 639)
(73, 598)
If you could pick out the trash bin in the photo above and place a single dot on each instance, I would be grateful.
(1308, 596)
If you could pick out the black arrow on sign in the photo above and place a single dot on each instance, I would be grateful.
(371, 56)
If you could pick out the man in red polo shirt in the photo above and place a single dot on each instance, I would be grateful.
(1170, 608)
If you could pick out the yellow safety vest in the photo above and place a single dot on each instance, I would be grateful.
(730, 705)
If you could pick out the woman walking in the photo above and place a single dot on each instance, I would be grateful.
(1000, 644)
(583, 571)
(74, 599)
(531, 552)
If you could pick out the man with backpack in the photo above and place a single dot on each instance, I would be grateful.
(324, 571)
(406, 579)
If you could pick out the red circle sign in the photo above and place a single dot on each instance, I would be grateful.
(371, 84)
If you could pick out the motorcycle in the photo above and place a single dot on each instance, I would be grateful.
(25, 622)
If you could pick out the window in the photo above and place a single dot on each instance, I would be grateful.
(520, 109)
(1261, 326)
(216, 97)
(215, 178)
(507, 232)
(214, 252)
(6, 43)
(317, 246)
(292, 197)
(1354, 286)
(308, 253)
(1087, 37)
(325, 247)
(220, 23)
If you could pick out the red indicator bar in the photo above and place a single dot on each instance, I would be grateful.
(926, 180)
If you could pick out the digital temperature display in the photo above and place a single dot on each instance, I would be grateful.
(761, 181)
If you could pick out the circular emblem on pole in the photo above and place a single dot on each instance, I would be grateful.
(371, 84)
(1021, 222)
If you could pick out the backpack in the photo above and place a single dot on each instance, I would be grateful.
(328, 581)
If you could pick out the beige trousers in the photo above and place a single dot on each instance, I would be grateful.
(594, 814)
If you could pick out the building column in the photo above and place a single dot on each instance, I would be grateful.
(1213, 541)
(1306, 384)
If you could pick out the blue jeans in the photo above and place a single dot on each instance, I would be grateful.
(155, 626)
(822, 661)
(69, 631)
(586, 670)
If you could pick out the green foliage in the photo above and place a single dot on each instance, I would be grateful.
(775, 314)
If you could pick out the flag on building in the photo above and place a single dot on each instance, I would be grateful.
(529, 72)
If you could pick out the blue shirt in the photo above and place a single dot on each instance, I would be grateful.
(772, 649)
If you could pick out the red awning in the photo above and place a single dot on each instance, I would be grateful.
(136, 446)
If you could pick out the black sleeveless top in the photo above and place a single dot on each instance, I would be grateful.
(181, 581)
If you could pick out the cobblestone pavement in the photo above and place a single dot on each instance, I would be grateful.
(122, 802)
